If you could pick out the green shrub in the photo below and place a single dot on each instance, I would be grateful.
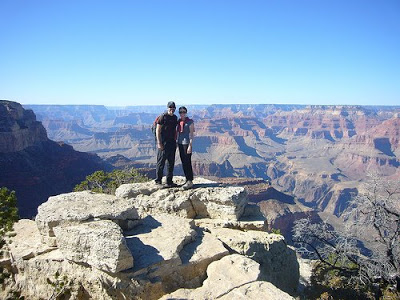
(8, 216)
(8, 210)
(108, 182)
(276, 231)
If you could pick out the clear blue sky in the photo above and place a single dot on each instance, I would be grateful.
(200, 52)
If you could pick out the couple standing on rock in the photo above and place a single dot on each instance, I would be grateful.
(169, 132)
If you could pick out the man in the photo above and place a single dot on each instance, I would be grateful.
(166, 144)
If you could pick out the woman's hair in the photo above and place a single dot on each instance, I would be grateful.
(182, 108)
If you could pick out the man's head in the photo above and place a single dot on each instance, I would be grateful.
(171, 107)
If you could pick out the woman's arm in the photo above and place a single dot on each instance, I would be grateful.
(191, 136)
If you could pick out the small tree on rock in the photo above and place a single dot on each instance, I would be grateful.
(108, 182)
(373, 213)
(8, 216)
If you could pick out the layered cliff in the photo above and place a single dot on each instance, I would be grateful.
(34, 166)
(18, 128)
(317, 153)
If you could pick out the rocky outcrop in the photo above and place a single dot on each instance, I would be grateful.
(166, 252)
(278, 263)
(27, 242)
(79, 207)
(99, 244)
(161, 235)
(206, 200)
(241, 282)
(256, 290)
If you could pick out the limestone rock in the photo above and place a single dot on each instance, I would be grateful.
(205, 200)
(278, 262)
(222, 276)
(196, 257)
(188, 258)
(84, 206)
(171, 254)
(256, 290)
(211, 224)
(99, 244)
(306, 267)
(159, 238)
(27, 242)
(220, 202)
(165, 201)
(35, 275)
(206, 246)
(131, 190)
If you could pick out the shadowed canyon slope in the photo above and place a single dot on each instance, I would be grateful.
(317, 153)
(34, 166)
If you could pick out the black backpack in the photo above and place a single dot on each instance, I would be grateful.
(154, 125)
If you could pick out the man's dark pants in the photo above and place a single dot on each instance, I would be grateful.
(168, 154)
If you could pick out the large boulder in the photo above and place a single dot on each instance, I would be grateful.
(205, 247)
(159, 239)
(78, 207)
(26, 241)
(99, 244)
(46, 275)
(278, 262)
(256, 290)
(165, 201)
(171, 253)
(205, 200)
(131, 190)
(196, 257)
(222, 276)
(219, 202)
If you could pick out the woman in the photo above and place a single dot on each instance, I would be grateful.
(185, 132)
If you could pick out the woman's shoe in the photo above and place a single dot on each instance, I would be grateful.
(188, 185)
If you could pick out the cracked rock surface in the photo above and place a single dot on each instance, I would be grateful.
(146, 243)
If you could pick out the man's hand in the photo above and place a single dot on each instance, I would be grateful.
(189, 149)
(160, 146)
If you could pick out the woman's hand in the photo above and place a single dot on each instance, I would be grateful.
(189, 149)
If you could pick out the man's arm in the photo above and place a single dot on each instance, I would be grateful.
(158, 136)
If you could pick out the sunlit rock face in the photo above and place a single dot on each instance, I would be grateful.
(147, 242)
(18, 127)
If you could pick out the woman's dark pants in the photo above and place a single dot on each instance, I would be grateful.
(186, 161)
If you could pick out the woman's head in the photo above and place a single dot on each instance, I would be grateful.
(182, 111)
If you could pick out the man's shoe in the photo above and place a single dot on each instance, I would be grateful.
(158, 183)
(170, 185)
(188, 185)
